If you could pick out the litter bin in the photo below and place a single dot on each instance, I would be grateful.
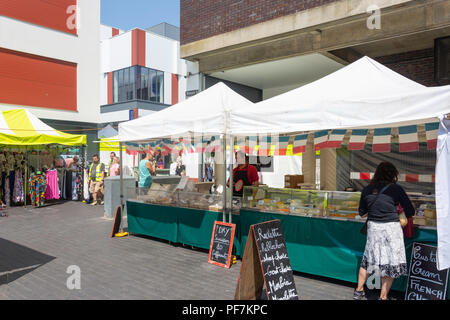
(112, 193)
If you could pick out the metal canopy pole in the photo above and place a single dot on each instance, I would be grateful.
(121, 186)
(224, 205)
(231, 177)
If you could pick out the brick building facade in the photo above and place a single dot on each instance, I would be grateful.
(231, 37)
(202, 19)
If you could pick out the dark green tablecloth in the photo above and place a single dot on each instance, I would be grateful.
(179, 225)
(324, 247)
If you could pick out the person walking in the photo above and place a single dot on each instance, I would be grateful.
(385, 249)
(114, 169)
(147, 168)
(96, 178)
(112, 156)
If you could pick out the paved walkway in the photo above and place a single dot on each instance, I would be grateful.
(38, 245)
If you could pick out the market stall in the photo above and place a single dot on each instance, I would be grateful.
(184, 212)
(364, 107)
(35, 158)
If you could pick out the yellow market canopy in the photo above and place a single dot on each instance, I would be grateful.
(110, 144)
(19, 127)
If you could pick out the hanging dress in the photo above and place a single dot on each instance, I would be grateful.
(52, 190)
(37, 189)
(18, 187)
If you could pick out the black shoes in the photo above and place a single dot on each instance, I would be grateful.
(359, 295)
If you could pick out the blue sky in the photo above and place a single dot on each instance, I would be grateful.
(129, 14)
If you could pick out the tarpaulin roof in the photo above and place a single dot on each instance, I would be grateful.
(364, 94)
(203, 114)
(19, 127)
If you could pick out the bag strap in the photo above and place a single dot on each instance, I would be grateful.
(376, 198)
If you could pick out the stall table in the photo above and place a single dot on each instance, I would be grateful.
(176, 224)
(327, 246)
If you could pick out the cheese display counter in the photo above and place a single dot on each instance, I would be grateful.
(178, 215)
(322, 228)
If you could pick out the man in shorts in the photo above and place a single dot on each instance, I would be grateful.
(96, 177)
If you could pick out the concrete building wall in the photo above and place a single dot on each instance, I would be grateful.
(203, 19)
(81, 49)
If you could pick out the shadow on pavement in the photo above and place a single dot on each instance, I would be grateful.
(17, 260)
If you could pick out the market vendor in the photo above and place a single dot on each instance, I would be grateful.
(244, 174)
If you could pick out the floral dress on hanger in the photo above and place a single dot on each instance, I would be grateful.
(38, 185)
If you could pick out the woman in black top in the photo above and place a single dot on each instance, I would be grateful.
(385, 249)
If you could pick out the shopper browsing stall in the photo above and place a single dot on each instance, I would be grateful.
(385, 249)
(96, 177)
(147, 168)
(244, 174)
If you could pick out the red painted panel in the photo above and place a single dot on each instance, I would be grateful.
(36, 81)
(138, 48)
(47, 13)
(174, 89)
(115, 32)
(110, 88)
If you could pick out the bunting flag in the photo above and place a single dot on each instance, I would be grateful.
(408, 138)
(283, 143)
(299, 144)
(320, 139)
(431, 131)
(264, 146)
(402, 177)
(200, 144)
(253, 145)
(166, 147)
(274, 145)
(214, 144)
(336, 138)
(358, 139)
(240, 144)
(382, 140)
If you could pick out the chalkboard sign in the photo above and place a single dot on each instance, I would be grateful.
(425, 282)
(117, 221)
(221, 244)
(266, 271)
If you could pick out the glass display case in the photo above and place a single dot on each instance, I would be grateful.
(170, 195)
(331, 204)
(425, 206)
(343, 204)
(286, 201)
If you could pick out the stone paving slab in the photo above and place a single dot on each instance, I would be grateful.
(38, 245)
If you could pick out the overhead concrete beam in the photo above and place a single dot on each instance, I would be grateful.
(343, 56)
(397, 23)
(303, 20)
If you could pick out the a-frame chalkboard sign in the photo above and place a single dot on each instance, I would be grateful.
(221, 244)
(266, 272)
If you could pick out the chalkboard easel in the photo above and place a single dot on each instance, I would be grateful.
(117, 220)
(266, 272)
(221, 244)
(425, 281)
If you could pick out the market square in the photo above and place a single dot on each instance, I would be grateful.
(224, 150)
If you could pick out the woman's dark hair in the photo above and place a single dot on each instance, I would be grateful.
(386, 173)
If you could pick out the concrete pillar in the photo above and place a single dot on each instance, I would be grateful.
(328, 169)
(309, 162)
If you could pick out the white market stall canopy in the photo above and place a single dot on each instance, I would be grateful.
(206, 113)
(364, 94)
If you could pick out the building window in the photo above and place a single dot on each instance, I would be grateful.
(442, 60)
(138, 83)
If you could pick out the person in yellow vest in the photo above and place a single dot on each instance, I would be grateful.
(96, 177)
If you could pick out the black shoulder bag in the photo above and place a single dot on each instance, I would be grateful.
(364, 228)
